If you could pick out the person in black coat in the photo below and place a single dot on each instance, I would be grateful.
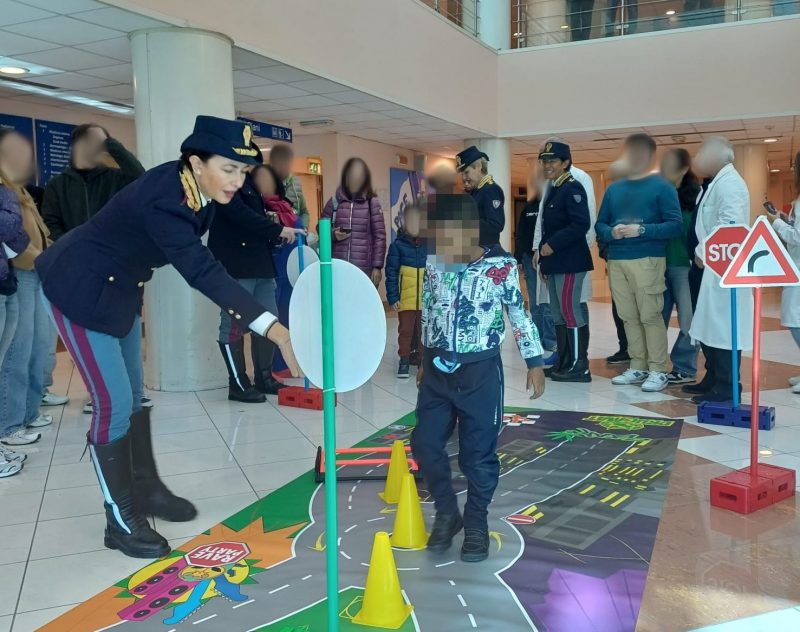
(564, 260)
(242, 237)
(474, 168)
(93, 282)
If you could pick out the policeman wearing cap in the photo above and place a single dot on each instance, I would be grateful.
(474, 167)
(93, 282)
(564, 260)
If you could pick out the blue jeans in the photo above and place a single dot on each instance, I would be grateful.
(52, 359)
(22, 371)
(111, 369)
(678, 294)
(263, 290)
(540, 314)
(9, 314)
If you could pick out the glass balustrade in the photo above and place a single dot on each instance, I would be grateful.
(543, 22)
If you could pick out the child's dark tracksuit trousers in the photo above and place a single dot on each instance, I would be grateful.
(471, 397)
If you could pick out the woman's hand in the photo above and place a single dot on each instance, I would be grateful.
(546, 250)
(278, 334)
(376, 275)
(289, 235)
(535, 259)
(396, 306)
(340, 235)
(536, 381)
(699, 262)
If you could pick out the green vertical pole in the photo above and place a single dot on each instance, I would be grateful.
(329, 423)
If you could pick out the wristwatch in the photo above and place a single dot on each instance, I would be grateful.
(641, 229)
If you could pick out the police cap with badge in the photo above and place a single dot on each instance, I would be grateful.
(223, 137)
(553, 150)
(470, 155)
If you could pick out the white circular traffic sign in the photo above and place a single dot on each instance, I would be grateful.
(359, 325)
(293, 262)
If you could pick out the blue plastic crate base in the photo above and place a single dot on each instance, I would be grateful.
(724, 414)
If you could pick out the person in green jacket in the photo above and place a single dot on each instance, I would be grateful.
(281, 158)
(73, 197)
(676, 167)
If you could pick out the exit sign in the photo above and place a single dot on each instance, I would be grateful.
(315, 167)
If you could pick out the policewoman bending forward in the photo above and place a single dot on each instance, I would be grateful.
(93, 283)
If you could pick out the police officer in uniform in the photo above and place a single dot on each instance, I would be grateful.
(93, 282)
(473, 165)
(564, 260)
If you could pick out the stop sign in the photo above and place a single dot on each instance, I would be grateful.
(218, 554)
(720, 247)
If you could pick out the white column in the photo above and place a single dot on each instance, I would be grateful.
(499, 152)
(751, 162)
(494, 23)
(178, 73)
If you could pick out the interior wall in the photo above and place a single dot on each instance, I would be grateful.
(719, 72)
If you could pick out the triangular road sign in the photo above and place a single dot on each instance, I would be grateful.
(762, 261)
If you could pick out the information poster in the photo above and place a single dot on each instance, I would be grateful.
(52, 148)
(21, 124)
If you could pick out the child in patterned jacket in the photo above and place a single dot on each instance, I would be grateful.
(461, 380)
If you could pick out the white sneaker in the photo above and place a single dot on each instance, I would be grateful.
(8, 468)
(51, 399)
(656, 381)
(11, 456)
(794, 381)
(631, 376)
(21, 437)
(41, 421)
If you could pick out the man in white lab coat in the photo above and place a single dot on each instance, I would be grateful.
(726, 201)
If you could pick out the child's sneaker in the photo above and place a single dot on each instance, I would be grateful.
(21, 437)
(11, 456)
(8, 468)
(402, 370)
(631, 376)
(656, 381)
(445, 526)
(476, 545)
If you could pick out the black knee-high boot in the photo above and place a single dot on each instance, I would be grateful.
(239, 387)
(153, 498)
(564, 357)
(262, 351)
(578, 368)
(126, 527)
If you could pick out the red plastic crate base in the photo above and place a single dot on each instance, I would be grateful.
(740, 492)
(299, 397)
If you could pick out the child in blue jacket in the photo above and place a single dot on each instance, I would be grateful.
(405, 270)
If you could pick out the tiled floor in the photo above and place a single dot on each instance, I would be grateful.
(709, 566)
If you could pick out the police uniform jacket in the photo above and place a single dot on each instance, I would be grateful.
(95, 274)
(490, 200)
(242, 236)
(565, 220)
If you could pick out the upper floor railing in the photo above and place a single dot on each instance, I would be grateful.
(463, 13)
(542, 22)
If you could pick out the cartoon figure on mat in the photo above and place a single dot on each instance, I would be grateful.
(175, 583)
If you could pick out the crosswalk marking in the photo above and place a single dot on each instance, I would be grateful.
(621, 500)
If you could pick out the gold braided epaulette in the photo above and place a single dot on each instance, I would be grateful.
(190, 190)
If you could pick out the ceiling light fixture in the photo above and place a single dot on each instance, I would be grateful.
(13, 70)
(765, 452)
(517, 34)
(770, 140)
(22, 86)
(565, 26)
(671, 12)
(774, 170)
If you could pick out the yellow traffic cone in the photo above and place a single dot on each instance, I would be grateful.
(398, 467)
(383, 605)
(409, 525)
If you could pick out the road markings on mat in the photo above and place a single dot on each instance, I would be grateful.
(349, 529)
(243, 604)
(306, 577)
(284, 587)
(202, 620)
(446, 564)
(346, 556)
(472, 621)
(461, 600)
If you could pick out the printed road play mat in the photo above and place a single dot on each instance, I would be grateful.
(573, 524)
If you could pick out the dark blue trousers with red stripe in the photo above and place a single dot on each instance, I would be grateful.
(472, 399)
(112, 370)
